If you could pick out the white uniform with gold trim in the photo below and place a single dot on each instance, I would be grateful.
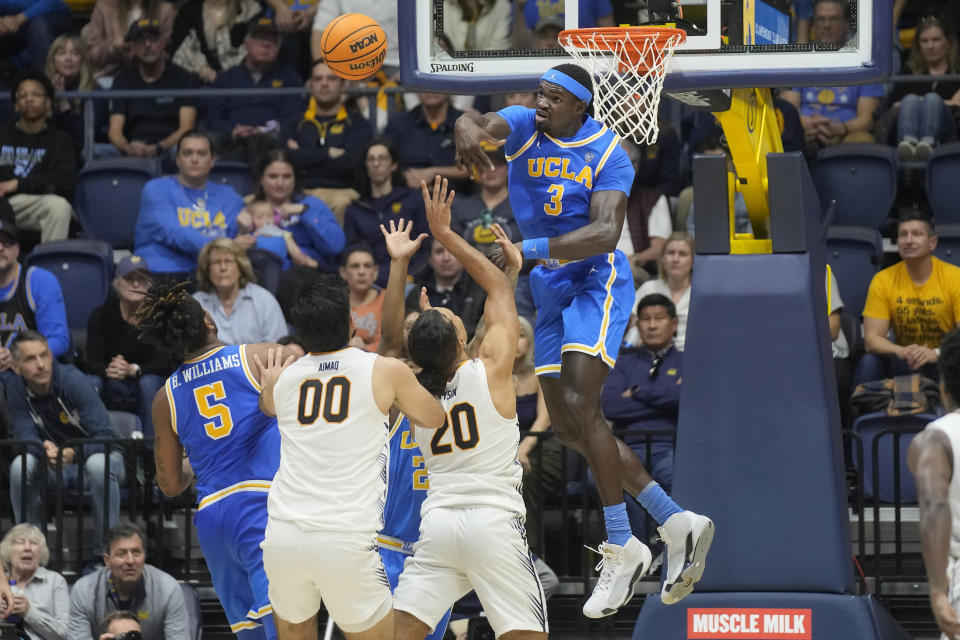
(472, 534)
(326, 503)
(950, 426)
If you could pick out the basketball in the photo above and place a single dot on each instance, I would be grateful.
(354, 46)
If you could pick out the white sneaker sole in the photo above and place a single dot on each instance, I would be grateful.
(692, 571)
(634, 581)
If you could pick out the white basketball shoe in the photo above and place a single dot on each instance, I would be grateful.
(620, 570)
(687, 536)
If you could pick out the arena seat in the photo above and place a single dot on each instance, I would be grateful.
(861, 178)
(236, 174)
(853, 254)
(84, 268)
(943, 188)
(870, 427)
(948, 243)
(108, 198)
(192, 600)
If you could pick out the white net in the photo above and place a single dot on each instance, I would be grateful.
(628, 66)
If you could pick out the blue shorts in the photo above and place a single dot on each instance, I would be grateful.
(393, 564)
(230, 532)
(581, 306)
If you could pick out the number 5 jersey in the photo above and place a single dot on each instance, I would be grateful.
(232, 445)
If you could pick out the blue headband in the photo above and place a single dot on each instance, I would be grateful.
(560, 78)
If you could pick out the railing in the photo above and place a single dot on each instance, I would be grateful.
(568, 519)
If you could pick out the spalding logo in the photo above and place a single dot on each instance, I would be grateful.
(363, 43)
(372, 62)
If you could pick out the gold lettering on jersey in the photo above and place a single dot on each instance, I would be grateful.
(552, 167)
(200, 219)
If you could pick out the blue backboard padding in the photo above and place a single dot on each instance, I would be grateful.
(833, 616)
(759, 443)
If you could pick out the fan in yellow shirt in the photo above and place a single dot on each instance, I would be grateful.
(919, 298)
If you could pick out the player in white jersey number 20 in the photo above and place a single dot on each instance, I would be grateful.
(472, 534)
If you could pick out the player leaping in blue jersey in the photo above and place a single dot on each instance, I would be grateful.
(569, 180)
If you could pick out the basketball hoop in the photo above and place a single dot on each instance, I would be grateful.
(628, 65)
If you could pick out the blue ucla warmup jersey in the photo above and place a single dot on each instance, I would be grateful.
(582, 305)
(234, 450)
(407, 487)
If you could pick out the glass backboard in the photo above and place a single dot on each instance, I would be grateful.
(730, 43)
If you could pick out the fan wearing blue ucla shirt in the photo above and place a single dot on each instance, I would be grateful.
(569, 180)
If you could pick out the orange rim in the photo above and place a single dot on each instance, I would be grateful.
(640, 58)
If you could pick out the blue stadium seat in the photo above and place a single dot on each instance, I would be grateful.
(948, 243)
(236, 174)
(108, 198)
(84, 267)
(868, 427)
(854, 254)
(861, 178)
(943, 187)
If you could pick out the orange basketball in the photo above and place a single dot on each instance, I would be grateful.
(354, 46)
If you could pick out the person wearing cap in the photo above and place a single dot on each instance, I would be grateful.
(37, 162)
(208, 35)
(29, 299)
(245, 127)
(546, 32)
(128, 372)
(50, 403)
(104, 35)
(569, 179)
(150, 127)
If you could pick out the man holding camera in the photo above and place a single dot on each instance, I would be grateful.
(121, 625)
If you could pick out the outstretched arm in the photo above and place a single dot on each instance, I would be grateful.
(401, 249)
(930, 459)
(472, 129)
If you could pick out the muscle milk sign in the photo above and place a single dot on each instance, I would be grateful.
(755, 624)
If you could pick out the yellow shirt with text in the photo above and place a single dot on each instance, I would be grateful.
(918, 315)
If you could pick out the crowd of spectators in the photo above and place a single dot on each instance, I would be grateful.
(326, 176)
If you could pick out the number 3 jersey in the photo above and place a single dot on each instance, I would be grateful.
(334, 445)
(215, 412)
(472, 458)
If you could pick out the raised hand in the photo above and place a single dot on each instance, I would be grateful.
(471, 157)
(400, 245)
(270, 372)
(437, 204)
(424, 300)
(511, 254)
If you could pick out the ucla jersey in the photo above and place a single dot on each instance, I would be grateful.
(407, 485)
(215, 411)
(552, 180)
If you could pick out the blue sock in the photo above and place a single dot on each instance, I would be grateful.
(618, 525)
(657, 503)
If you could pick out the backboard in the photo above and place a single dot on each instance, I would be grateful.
(730, 43)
